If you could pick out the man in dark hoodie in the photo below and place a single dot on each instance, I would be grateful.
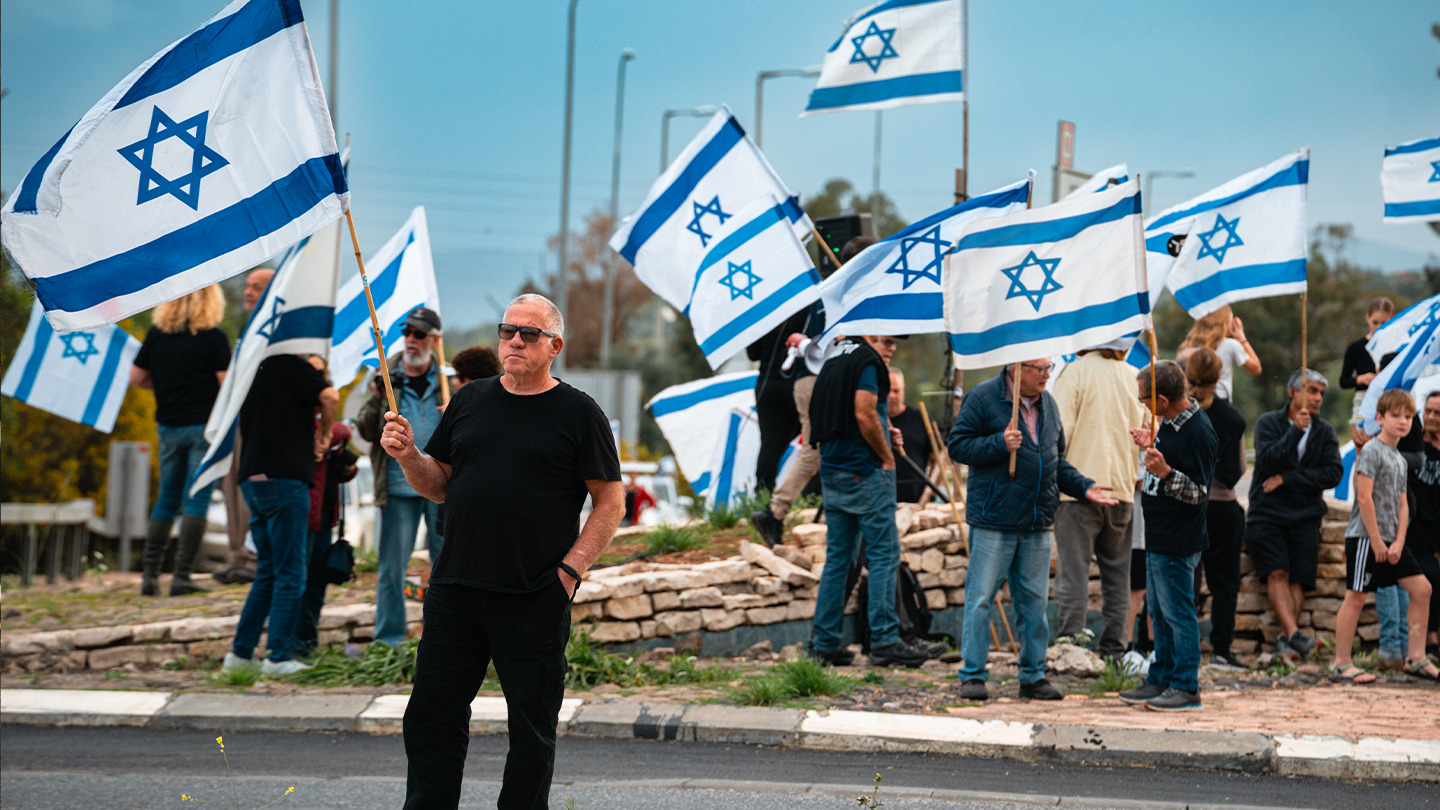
(1297, 458)
(1010, 517)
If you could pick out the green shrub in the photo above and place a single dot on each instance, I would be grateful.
(667, 539)
(367, 561)
(788, 680)
(381, 665)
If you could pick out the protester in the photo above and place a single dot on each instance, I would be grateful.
(1297, 458)
(284, 440)
(1096, 400)
(1376, 552)
(475, 363)
(1358, 368)
(1179, 464)
(337, 467)
(1223, 332)
(1391, 602)
(1423, 536)
(183, 360)
(415, 379)
(1011, 518)
(909, 484)
(241, 567)
(857, 482)
(775, 398)
(514, 456)
(637, 500)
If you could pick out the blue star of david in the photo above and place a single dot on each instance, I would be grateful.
(269, 326)
(203, 159)
(713, 208)
(887, 51)
(745, 285)
(84, 352)
(1430, 317)
(1435, 175)
(1208, 248)
(931, 270)
(1017, 285)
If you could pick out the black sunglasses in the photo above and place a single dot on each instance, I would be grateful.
(529, 334)
(418, 334)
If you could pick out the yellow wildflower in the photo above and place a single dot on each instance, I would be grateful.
(290, 790)
(184, 797)
(221, 740)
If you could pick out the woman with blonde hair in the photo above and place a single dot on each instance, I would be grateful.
(183, 360)
(1224, 333)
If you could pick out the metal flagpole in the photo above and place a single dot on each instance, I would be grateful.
(374, 319)
(1304, 334)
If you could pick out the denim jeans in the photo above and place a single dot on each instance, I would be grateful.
(858, 509)
(1391, 604)
(1023, 557)
(1170, 599)
(279, 510)
(399, 521)
(181, 450)
(307, 629)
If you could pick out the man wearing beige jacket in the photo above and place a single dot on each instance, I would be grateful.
(1096, 396)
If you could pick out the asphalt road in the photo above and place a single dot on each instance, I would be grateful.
(44, 768)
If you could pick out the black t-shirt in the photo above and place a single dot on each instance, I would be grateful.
(1229, 428)
(1423, 536)
(1357, 361)
(1171, 526)
(182, 367)
(518, 470)
(909, 485)
(278, 420)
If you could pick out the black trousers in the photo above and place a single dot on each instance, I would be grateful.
(1225, 521)
(779, 423)
(1431, 567)
(465, 629)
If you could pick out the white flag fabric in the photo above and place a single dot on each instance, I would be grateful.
(80, 376)
(405, 280)
(693, 417)
(718, 174)
(735, 458)
(1113, 176)
(206, 160)
(1402, 328)
(1417, 359)
(1245, 239)
(892, 54)
(755, 275)
(1047, 281)
(1343, 491)
(295, 316)
(1410, 180)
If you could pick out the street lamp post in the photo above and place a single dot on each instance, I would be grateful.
(564, 246)
(760, 90)
(1150, 178)
(608, 316)
(695, 112)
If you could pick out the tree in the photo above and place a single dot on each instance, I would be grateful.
(838, 196)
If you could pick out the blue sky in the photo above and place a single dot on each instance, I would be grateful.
(458, 105)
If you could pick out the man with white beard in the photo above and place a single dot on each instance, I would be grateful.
(415, 379)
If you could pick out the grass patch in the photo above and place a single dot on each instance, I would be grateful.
(873, 676)
(667, 539)
(789, 680)
(238, 677)
(367, 561)
(118, 675)
(1116, 677)
(381, 665)
(592, 665)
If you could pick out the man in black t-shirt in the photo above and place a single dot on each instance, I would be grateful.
(513, 458)
(909, 485)
(1423, 536)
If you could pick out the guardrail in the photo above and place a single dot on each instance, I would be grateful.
(71, 525)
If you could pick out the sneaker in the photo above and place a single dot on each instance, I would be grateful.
(1301, 644)
(974, 689)
(767, 526)
(1040, 690)
(279, 669)
(234, 662)
(842, 657)
(1141, 693)
(1226, 662)
(898, 654)
(932, 649)
(1175, 700)
(1283, 650)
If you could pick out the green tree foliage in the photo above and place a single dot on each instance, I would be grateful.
(838, 196)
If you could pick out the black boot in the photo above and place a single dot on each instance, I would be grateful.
(192, 531)
(157, 537)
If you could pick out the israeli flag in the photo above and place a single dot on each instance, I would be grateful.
(694, 418)
(1048, 281)
(296, 315)
(1245, 239)
(208, 159)
(1139, 355)
(892, 54)
(406, 280)
(1113, 176)
(1418, 359)
(1402, 328)
(80, 376)
(720, 173)
(1410, 179)
(1343, 490)
(894, 286)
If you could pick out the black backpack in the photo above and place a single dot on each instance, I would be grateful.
(910, 608)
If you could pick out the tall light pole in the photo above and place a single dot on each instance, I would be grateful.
(564, 251)
(334, 89)
(608, 317)
(696, 112)
(1150, 178)
(760, 90)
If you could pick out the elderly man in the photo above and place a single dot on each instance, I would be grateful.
(1297, 458)
(1010, 517)
(514, 457)
(416, 382)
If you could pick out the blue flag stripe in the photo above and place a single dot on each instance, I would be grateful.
(761, 310)
(305, 322)
(699, 485)
(1239, 278)
(1412, 209)
(671, 199)
(1418, 146)
(43, 333)
(391, 337)
(733, 241)
(727, 464)
(878, 8)
(255, 22)
(103, 382)
(898, 307)
(1061, 324)
(221, 455)
(356, 311)
(674, 404)
(999, 199)
(1050, 230)
(1296, 174)
(919, 84)
(226, 230)
(30, 187)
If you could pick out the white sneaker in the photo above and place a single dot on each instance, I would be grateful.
(277, 669)
(234, 662)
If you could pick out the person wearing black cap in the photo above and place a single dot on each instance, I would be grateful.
(414, 376)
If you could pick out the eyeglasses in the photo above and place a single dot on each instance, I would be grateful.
(418, 334)
(529, 334)
(1045, 369)
(888, 343)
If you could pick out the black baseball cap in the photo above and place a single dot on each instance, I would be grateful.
(423, 318)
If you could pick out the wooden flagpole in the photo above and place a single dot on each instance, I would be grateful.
(1304, 334)
(1014, 411)
(1153, 417)
(374, 319)
(440, 360)
(820, 240)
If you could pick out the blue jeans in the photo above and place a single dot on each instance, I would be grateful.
(181, 450)
(1023, 557)
(399, 521)
(1170, 599)
(279, 511)
(307, 629)
(1391, 604)
(858, 509)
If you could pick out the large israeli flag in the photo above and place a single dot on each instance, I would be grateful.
(718, 174)
(80, 376)
(405, 280)
(694, 418)
(1344, 490)
(1245, 239)
(1417, 359)
(1410, 179)
(1402, 328)
(208, 159)
(892, 54)
(1113, 176)
(1047, 281)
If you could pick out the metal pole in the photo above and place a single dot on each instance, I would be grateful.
(875, 178)
(564, 247)
(760, 90)
(333, 91)
(1146, 199)
(608, 316)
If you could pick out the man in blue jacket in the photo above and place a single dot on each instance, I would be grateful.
(1010, 518)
